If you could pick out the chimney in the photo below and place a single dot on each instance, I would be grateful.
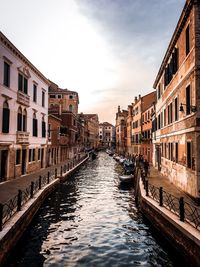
(139, 97)
(118, 109)
(135, 99)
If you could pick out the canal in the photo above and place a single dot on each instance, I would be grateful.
(91, 221)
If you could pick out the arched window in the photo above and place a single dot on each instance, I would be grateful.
(24, 120)
(70, 108)
(35, 128)
(6, 118)
(43, 128)
(19, 119)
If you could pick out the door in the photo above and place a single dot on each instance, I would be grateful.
(3, 159)
(23, 161)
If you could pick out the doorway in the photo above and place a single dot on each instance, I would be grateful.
(3, 160)
(42, 157)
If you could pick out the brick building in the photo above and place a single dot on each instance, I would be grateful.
(63, 104)
(23, 113)
(92, 125)
(140, 132)
(121, 130)
(177, 116)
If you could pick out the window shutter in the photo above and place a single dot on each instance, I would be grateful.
(25, 86)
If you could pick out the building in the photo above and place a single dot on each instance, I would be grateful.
(63, 104)
(139, 125)
(23, 113)
(92, 126)
(106, 135)
(121, 130)
(177, 116)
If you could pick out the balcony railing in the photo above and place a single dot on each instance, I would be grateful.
(23, 99)
(22, 137)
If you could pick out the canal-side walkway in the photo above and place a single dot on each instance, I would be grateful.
(9, 189)
(158, 180)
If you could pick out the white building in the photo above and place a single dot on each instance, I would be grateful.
(23, 113)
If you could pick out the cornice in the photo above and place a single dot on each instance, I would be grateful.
(17, 53)
(180, 25)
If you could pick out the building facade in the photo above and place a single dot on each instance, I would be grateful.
(106, 135)
(177, 115)
(23, 113)
(121, 130)
(92, 125)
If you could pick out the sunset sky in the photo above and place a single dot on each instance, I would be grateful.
(109, 51)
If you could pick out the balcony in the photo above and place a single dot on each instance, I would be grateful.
(23, 99)
(22, 137)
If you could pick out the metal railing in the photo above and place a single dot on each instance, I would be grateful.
(8, 209)
(187, 212)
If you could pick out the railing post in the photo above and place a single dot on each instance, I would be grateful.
(48, 177)
(1, 217)
(147, 187)
(61, 170)
(40, 182)
(161, 196)
(32, 189)
(19, 200)
(55, 173)
(181, 209)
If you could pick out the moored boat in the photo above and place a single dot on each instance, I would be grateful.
(126, 178)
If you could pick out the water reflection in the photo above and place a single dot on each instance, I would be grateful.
(91, 221)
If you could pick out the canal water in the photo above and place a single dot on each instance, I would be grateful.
(91, 221)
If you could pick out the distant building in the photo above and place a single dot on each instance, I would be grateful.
(121, 130)
(176, 137)
(139, 125)
(92, 125)
(23, 113)
(106, 135)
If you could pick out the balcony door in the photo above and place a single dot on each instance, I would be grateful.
(3, 164)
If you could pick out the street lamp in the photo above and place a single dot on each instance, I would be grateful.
(192, 108)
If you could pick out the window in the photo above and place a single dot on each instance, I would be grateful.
(38, 153)
(171, 68)
(18, 156)
(52, 96)
(164, 117)
(29, 155)
(176, 109)
(34, 93)
(59, 96)
(71, 97)
(5, 118)
(158, 92)
(19, 119)
(70, 108)
(172, 152)
(35, 129)
(188, 100)
(158, 121)
(43, 98)
(33, 154)
(169, 152)
(171, 113)
(168, 111)
(189, 155)
(6, 77)
(43, 128)
(49, 130)
(22, 83)
(176, 152)
(187, 40)
(24, 120)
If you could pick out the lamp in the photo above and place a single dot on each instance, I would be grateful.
(192, 108)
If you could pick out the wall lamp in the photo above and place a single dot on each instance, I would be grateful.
(192, 108)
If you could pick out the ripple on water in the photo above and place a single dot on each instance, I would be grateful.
(90, 221)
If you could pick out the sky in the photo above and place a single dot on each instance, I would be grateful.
(109, 51)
